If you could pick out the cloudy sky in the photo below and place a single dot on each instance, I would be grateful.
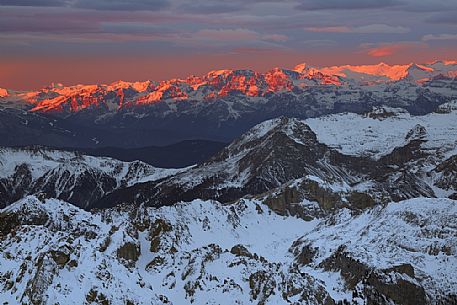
(99, 41)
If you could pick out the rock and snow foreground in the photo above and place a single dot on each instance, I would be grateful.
(203, 252)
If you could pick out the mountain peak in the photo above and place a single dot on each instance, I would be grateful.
(389, 72)
(137, 86)
(300, 68)
(418, 132)
(420, 67)
(3, 92)
(293, 128)
(55, 86)
(217, 73)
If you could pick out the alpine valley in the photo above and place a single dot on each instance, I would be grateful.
(338, 185)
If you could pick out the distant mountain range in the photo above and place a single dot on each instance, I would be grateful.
(218, 106)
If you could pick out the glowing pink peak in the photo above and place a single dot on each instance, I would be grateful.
(3, 92)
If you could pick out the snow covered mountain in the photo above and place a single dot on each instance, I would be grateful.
(202, 252)
(70, 176)
(386, 153)
(220, 105)
(337, 160)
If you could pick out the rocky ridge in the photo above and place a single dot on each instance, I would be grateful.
(70, 176)
(55, 252)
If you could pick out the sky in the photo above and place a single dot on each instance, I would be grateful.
(101, 41)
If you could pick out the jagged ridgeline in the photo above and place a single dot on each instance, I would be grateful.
(342, 209)
(218, 106)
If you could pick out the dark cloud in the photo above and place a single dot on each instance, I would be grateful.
(427, 6)
(183, 26)
(108, 5)
(41, 22)
(40, 3)
(345, 4)
(444, 18)
(135, 28)
(122, 5)
(217, 6)
(430, 37)
(209, 8)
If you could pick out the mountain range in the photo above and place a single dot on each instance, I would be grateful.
(218, 106)
(337, 186)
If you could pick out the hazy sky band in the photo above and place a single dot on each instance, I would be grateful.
(158, 39)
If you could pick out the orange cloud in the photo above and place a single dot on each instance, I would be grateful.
(384, 51)
(387, 49)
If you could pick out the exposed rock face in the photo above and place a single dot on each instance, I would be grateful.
(305, 255)
(14, 187)
(327, 199)
(378, 286)
(287, 200)
(411, 151)
(240, 250)
(360, 200)
(380, 113)
(447, 178)
(129, 251)
(262, 286)
(8, 223)
(282, 203)
(35, 293)
(158, 228)
(61, 258)
(400, 291)
(351, 270)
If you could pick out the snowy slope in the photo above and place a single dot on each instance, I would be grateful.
(203, 252)
(421, 232)
(42, 160)
(64, 174)
(381, 130)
